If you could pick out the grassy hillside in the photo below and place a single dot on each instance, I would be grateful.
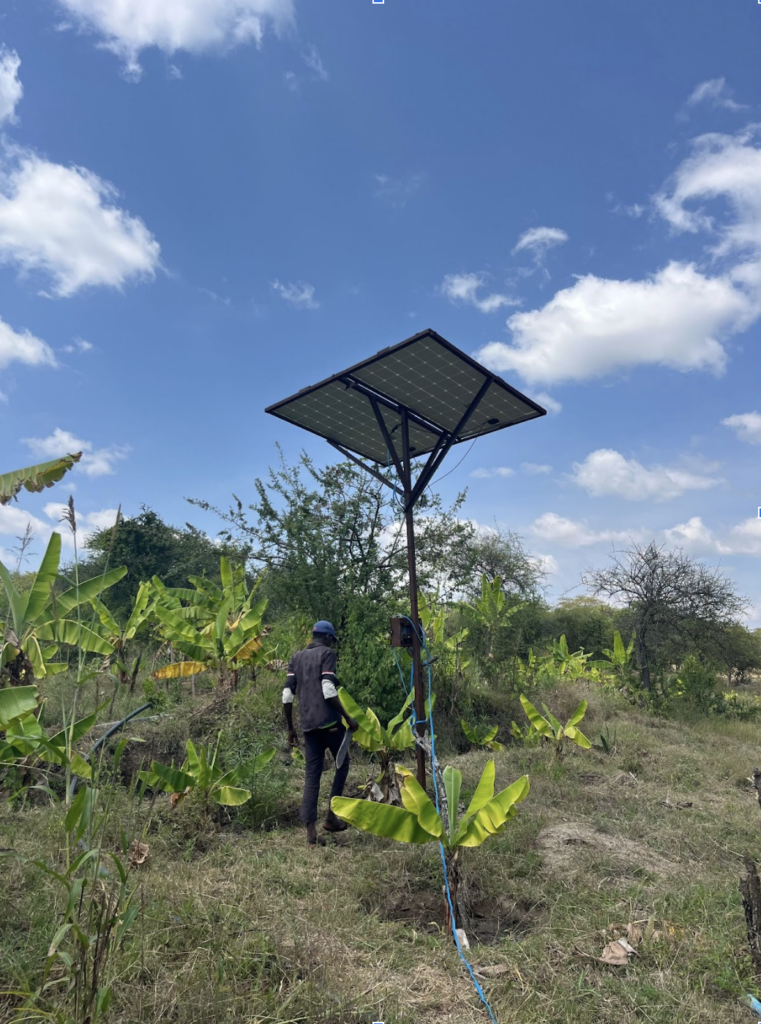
(245, 924)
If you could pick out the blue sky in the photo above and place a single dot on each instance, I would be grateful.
(208, 204)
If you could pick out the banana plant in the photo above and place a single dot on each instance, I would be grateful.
(119, 636)
(200, 773)
(39, 620)
(35, 478)
(565, 663)
(218, 628)
(529, 737)
(434, 620)
(491, 613)
(620, 657)
(418, 821)
(478, 738)
(385, 743)
(550, 728)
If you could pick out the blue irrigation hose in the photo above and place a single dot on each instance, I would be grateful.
(455, 936)
(753, 1003)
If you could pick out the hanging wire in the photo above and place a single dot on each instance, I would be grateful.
(423, 641)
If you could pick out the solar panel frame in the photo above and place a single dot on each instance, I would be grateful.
(389, 380)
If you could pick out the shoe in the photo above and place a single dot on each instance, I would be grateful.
(334, 824)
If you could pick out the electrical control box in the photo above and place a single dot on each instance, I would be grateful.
(401, 631)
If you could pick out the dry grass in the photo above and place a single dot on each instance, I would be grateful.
(250, 926)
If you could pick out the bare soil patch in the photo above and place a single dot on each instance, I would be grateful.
(568, 846)
(487, 920)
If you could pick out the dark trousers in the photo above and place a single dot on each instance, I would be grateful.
(316, 742)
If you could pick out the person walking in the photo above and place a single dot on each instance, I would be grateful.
(312, 674)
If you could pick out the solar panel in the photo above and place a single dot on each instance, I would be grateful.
(427, 376)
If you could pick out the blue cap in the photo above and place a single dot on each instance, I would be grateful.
(324, 627)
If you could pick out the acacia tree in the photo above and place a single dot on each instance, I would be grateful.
(496, 552)
(330, 536)
(668, 595)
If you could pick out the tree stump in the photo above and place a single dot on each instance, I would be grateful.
(750, 890)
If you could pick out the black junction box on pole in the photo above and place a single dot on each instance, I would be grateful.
(409, 402)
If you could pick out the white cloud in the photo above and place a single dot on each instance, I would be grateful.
(14, 521)
(313, 61)
(550, 404)
(174, 73)
(535, 468)
(537, 241)
(486, 474)
(747, 426)
(298, 293)
(606, 471)
(398, 191)
(78, 345)
(547, 564)
(94, 461)
(721, 166)
(464, 288)
(11, 89)
(675, 318)
(292, 81)
(87, 522)
(694, 535)
(716, 92)
(574, 534)
(23, 347)
(130, 26)
(63, 221)
(635, 210)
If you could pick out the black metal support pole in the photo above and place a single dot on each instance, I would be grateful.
(417, 668)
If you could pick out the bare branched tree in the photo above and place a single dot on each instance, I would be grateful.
(668, 594)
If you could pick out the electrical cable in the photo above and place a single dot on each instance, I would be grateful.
(480, 992)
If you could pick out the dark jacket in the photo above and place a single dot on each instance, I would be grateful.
(306, 672)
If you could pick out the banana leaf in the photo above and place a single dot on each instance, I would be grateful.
(381, 819)
(35, 478)
(16, 702)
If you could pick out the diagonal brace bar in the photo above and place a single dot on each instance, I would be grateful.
(439, 453)
(350, 455)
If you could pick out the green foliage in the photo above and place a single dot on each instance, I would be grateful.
(16, 703)
(491, 629)
(150, 547)
(365, 659)
(550, 728)
(75, 982)
(35, 478)
(39, 619)
(201, 773)
(587, 624)
(219, 628)
(119, 635)
(26, 740)
(418, 821)
(478, 737)
(607, 742)
(697, 685)
(528, 736)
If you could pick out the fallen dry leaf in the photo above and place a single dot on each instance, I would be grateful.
(634, 933)
(138, 853)
(492, 971)
(175, 798)
(617, 953)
